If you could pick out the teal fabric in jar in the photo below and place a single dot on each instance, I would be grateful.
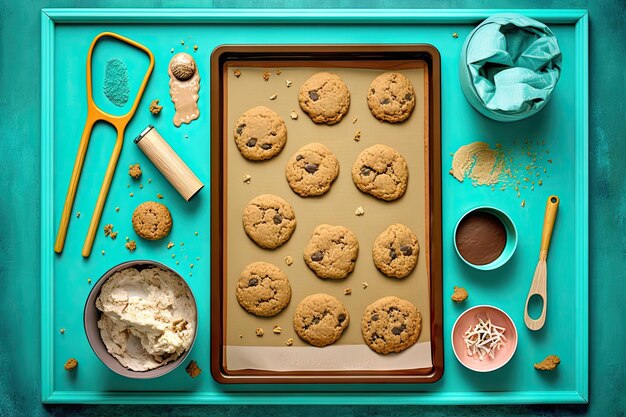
(510, 65)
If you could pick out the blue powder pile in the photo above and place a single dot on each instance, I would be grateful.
(116, 82)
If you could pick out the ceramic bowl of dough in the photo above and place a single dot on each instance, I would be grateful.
(92, 316)
(468, 319)
(511, 238)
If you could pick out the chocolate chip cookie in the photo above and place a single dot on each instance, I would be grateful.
(311, 170)
(395, 251)
(263, 289)
(382, 172)
(391, 97)
(391, 324)
(332, 251)
(152, 220)
(269, 220)
(325, 98)
(260, 133)
(320, 319)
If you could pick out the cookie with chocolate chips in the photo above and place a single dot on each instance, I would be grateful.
(311, 170)
(332, 251)
(269, 221)
(395, 251)
(260, 133)
(391, 324)
(320, 319)
(325, 98)
(382, 172)
(263, 289)
(391, 97)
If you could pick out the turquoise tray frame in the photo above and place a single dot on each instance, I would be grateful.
(352, 394)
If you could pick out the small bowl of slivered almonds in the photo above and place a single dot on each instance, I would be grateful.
(484, 338)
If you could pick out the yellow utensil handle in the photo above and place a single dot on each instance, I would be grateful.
(104, 191)
(548, 224)
(73, 186)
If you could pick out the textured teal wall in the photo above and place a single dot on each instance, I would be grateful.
(20, 225)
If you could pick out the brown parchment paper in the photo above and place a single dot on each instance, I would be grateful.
(337, 207)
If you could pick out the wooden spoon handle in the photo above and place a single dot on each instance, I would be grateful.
(548, 224)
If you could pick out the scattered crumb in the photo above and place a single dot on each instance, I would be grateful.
(186, 136)
(149, 180)
(237, 72)
(170, 245)
(259, 331)
(288, 82)
(359, 211)
(102, 252)
(191, 266)
(182, 42)
(523, 203)
(78, 214)
(266, 75)
(278, 71)
(127, 238)
(134, 171)
(195, 233)
(293, 115)
(549, 161)
(241, 335)
(191, 273)
(71, 364)
(62, 331)
(88, 280)
(195, 48)
(357, 135)
(347, 291)
(141, 186)
(459, 295)
(160, 196)
(540, 182)
(127, 185)
(114, 235)
(132, 194)
(197, 258)
(172, 51)
(182, 243)
(364, 284)
(273, 96)
(455, 35)
(117, 209)
(289, 342)
(193, 369)
(131, 245)
(354, 120)
(177, 262)
(155, 108)
(288, 260)
(548, 364)
(173, 255)
(246, 178)
(277, 329)
(108, 228)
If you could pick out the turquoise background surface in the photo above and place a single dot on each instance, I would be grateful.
(19, 356)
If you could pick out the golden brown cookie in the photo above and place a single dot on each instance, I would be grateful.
(269, 220)
(395, 251)
(263, 289)
(391, 324)
(311, 170)
(382, 172)
(152, 220)
(325, 98)
(320, 319)
(391, 97)
(331, 251)
(260, 133)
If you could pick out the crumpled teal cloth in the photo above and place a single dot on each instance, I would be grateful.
(510, 65)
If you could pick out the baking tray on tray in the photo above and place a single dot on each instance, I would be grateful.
(237, 355)
(562, 124)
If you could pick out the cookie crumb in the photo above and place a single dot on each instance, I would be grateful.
(273, 96)
(197, 258)
(177, 262)
(288, 82)
(354, 120)
(246, 178)
(127, 238)
(357, 135)
(149, 180)
(170, 245)
(62, 330)
(191, 266)
(278, 71)
(237, 72)
(455, 35)
(523, 203)
(131, 194)
(364, 284)
(347, 291)
(71, 364)
(172, 51)
(277, 329)
(102, 252)
(108, 228)
(459, 295)
(193, 369)
(289, 342)
(191, 274)
(359, 211)
(288, 260)
(293, 115)
(259, 331)
(241, 335)
(160, 196)
(131, 245)
(549, 363)
(182, 243)
(78, 214)
(117, 209)
(195, 233)
(155, 108)
(114, 235)
(141, 186)
(182, 42)
(195, 48)
(266, 75)
(173, 255)
(134, 171)
(88, 280)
